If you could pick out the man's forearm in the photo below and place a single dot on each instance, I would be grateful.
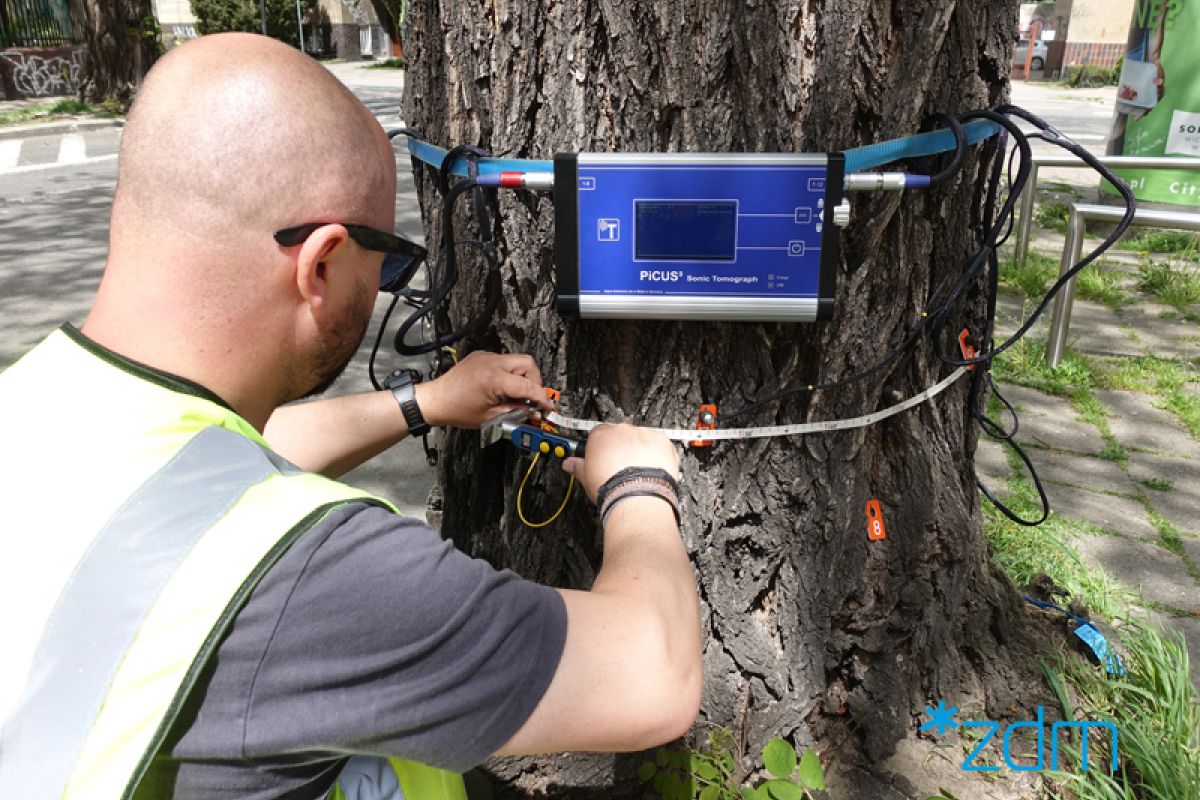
(333, 436)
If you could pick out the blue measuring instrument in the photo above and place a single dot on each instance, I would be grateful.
(727, 236)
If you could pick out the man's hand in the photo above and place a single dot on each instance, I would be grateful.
(612, 448)
(481, 386)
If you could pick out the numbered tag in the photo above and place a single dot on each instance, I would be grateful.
(875, 529)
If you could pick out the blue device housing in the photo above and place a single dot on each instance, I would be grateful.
(736, 236)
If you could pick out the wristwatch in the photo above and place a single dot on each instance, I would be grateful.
(401, 382)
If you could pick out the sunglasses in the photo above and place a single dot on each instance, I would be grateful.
(401, 259)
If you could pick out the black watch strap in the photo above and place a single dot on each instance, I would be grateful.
(401, 383)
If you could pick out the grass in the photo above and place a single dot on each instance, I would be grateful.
(1186, 407)
(1161, 377)
(1052, 216)
(1156, 240)
(1030, 280)
(1100, 284)
(1024, 363)
(1158, 484)
(45, 111)
(1176, 286)
(1155, 709)
(391, 63)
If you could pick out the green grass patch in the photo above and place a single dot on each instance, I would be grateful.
(1186, 407)
(1030, 280)
(1156, 240)
(1175, 285)
(1142, 374)
(1092, 411)
(1025, 364)
(1155, 709)
(391, 63)
(1100, 284)
(1052, 216)
(1158, 484)
(43, 112)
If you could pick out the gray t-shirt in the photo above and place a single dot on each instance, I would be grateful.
(371, 635)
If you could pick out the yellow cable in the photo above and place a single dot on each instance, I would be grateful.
(521, 495)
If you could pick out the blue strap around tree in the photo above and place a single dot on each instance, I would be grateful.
(857, 159)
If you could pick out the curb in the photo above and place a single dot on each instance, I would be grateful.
(63, 126)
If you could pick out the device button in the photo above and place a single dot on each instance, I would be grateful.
(586, 182)
(795, 248)
(544, 447)
(816, 184)
(560, 452)
(608, 230)
(803, 216)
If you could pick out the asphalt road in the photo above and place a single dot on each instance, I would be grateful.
(55, 192)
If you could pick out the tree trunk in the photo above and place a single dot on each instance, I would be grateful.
(122, 43)
(812, 631)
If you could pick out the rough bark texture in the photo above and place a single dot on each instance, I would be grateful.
(122, 43)
(811, 630)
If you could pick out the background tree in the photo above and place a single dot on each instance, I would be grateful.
(122, 39)
(812, 631)
(218, 16)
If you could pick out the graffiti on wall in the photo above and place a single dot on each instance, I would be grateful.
(38, 76)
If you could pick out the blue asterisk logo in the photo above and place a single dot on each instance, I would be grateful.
(940, 718)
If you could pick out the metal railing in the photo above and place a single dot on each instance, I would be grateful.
(1028, 196)
(35, 23)
(1060, 320)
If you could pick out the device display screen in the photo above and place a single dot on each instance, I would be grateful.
(686, 230)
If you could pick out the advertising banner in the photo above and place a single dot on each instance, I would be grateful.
(1158, 99)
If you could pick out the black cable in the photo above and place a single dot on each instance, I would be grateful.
(379, 338)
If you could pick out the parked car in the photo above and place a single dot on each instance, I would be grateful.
(1039, 54)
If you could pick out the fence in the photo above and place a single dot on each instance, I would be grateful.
(35, 23)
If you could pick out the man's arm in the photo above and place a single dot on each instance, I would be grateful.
(333, 436)
(630, 676)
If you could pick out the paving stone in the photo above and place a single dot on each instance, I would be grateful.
(1181, 505)
(1050, 421)
(1159, 574)
(1096, 330)
(1191, 546)
(1138, 424)
(1095, 474)
(991, 463)
(1160, 337)
(1122, 515)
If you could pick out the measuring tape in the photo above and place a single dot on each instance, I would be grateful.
(692, 435)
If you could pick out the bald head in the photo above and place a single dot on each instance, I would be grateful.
(234, 136)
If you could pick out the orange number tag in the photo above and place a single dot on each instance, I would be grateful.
(875, 529)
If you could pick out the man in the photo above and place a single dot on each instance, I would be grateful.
(194, 608)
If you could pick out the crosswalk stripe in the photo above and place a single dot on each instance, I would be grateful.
(72, 149)
(10, 152)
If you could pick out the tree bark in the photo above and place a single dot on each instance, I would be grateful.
(812, 631)
(122, 44)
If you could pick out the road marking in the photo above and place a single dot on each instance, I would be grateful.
(72, 149)
(1088, 137)
(10, 152)
(40, 167)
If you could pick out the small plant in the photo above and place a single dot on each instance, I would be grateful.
(1031, 279)
(1158, 484)
(1099, 283)
(391, 63)
(1153, 240)
(683, 773)
(1177, 287)
(1052, 216)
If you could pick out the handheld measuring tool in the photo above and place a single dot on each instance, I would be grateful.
(724, 236)
(516, 428)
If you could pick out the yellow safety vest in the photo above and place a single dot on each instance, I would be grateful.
(139, 514)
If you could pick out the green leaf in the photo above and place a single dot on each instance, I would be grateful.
(710, 793)
(662, 757)
(660, 781)
(673, 788)
(646, 771)
(753, 794)
(783, 790)
(725, 761)
(811, 774)
(706, 770)
(779, 758)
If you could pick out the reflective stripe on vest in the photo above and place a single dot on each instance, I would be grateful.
(144, 598)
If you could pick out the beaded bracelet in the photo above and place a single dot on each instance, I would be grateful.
(660, 476)
(639, 488)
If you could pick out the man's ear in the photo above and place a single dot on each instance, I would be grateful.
(313, 272)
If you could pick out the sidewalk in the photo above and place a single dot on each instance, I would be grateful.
(1108, 433)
